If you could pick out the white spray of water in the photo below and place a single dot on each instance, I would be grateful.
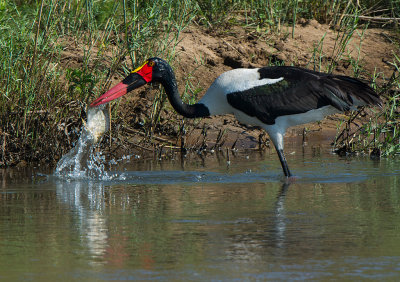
(81, 161)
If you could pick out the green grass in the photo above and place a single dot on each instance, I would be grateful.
(42, 103)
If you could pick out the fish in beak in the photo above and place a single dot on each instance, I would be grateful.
(135, 79)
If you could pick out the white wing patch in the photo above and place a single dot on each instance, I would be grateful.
(242, 79)
(236, 80)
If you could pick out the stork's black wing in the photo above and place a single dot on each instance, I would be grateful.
(300, 91)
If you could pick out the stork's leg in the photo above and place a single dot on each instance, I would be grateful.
(277, 138)
(284, 164)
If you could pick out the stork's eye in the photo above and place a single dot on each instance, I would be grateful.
(151, 64)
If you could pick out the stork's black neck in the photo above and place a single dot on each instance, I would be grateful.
(168, 81)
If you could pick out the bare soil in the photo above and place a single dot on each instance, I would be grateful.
(202, 55)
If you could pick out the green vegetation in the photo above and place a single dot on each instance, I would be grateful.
(44, 93)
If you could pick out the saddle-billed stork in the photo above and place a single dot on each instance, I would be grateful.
(273, 98)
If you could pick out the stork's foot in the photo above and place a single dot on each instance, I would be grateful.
(290, 179)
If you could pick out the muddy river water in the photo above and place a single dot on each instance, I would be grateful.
(202, 219)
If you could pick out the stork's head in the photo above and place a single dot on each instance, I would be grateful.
(153, 70)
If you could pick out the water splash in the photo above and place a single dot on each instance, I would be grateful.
(81, 161)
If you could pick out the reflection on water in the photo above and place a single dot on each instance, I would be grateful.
(205, 221)
(87, 202)
(280, 217)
